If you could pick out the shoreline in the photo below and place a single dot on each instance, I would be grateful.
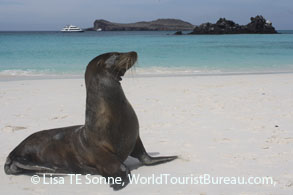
(7, 78)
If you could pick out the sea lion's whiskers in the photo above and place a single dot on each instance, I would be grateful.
(129, 63)
(133, 69)
(122, 60)
(132, 72)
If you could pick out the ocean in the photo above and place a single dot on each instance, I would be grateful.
(57, 53)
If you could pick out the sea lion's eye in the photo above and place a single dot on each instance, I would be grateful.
(111, 61)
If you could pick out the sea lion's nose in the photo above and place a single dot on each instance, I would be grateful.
(133, 54)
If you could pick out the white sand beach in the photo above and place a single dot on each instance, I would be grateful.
(224, 126)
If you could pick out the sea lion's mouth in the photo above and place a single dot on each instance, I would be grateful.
(117, 75)
(121, 74)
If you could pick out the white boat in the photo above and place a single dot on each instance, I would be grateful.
(99, 29)
(71, 28)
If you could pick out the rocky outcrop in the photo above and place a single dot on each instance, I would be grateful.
(258, 25)
(156, 25)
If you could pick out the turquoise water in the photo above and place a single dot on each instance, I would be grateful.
(69, 53)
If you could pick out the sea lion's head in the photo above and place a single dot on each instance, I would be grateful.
(118, 63)
(114, 64)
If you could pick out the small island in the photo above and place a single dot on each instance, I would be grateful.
(257, 25)
(156, 25)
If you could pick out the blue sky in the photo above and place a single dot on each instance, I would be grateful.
(54, 14)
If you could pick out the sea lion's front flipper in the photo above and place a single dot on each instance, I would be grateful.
(110, 166)
(140, 153)
(124, 174)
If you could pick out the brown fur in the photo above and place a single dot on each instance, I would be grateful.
(109, 136)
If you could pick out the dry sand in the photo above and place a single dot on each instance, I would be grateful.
(218, 125)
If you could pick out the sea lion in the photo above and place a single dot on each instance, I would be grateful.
(109, 136)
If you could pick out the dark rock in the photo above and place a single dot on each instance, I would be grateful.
(156, 25)
(258, 25)
(178, 33)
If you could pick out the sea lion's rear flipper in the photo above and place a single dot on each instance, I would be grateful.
(140, 153)
(20, 166)
(34, 168)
